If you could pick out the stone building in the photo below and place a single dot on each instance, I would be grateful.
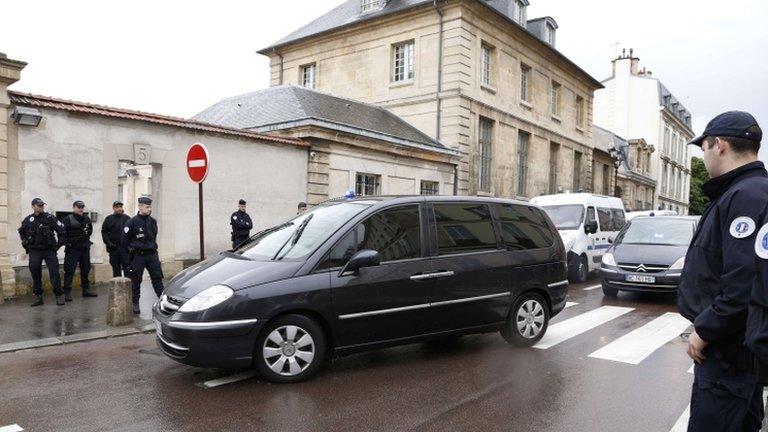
(476, 76)
(354, 146)
(634, 103)
(636, 187)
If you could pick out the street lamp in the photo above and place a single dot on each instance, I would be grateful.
(618, 157)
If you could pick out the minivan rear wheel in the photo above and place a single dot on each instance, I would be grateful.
(527, 322)
(290, 349)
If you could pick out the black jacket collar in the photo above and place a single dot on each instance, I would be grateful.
(717, 186)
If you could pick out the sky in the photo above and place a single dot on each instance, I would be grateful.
(178, 57)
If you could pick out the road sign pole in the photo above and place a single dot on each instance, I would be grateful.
(202, 232)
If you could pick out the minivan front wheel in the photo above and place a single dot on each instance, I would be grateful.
(290, 349)
(527, 322)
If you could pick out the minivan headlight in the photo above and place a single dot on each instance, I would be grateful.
(609, 260)
(678, 265)
(207, 298)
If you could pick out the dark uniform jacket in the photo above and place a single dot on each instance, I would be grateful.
(241, 224)
(112, 230)
(140, 233)
(41, 232)
(757, 323)
(78, 230)
(720, 263)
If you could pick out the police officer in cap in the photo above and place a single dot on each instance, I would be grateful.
(41, 236)
(78, 229)
(111, 233)
(140, 238)
(241, 225)
(720, 269)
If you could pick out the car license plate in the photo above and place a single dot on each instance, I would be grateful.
(641, 279)
(159, 328)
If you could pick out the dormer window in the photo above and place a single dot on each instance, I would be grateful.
(520, 15)
(369, 5)
(549, 34)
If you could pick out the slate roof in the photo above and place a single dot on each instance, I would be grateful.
(283, 107)
(27, 99)
(669, 101)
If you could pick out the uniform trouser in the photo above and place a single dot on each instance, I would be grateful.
(237, 241)
(118, 259)
(36, 258)
(725, 401)
(72, 258)
(151, 261)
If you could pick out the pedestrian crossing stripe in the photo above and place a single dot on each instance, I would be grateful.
(11, 428)
(569, 304)
(572, 327)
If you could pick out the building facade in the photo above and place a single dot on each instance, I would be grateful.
(476, 76)
(635, 104)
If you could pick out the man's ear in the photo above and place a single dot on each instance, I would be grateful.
(721, 145)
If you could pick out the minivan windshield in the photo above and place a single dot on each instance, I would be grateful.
(657, 231)
(297, 238)
(566, 217)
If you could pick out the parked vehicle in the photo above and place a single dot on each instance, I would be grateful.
(648, 255)
(634, 214)
(366, 273)
(587, 224)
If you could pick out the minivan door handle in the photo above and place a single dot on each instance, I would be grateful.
(433, 275)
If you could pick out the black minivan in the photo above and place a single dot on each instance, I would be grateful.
(366, 273)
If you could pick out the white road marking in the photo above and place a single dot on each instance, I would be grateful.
(681, 425)
(579, 324)
(593, 287)
(570, 304)
(196, 163)
(635, 346)
(227, 379)
(11, 428)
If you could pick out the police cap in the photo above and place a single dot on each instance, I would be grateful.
(117, 204)
(38, 202)
(145, 200)
(733, 124)
(241, 202)
(302, 205)
(78, 204)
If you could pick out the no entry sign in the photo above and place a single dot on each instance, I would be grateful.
(197, 162)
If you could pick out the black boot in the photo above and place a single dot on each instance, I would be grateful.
(68, 296)
(136, 309)
(38, 301)
(60, 300)
(88, 293)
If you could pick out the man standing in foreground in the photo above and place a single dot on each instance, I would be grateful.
(111, 233)
(41, 236)
(77, 252)
(718, 275)
(140, 238)
(241, 225)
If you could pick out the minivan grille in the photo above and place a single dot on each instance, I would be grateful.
(643, 268)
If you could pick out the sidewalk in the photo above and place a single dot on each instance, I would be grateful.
(25, 327)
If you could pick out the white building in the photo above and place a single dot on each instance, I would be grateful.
(635, 104)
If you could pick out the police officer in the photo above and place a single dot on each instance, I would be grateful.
(140, 238)
(78, 229)
(717, 278)
(41, 236)
(241, 225)
(757, 321)
(111, 233)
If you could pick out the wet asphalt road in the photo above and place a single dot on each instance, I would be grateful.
(474, 383)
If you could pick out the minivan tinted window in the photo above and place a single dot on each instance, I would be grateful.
(524, 227)
(464, 227)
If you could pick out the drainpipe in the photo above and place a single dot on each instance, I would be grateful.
(439, 69)
(280, 76)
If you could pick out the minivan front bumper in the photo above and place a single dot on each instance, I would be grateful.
(220, 344)
(664, 282)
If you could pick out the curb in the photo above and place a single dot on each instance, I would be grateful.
(75, 338)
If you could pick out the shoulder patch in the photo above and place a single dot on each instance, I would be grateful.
(60, 224)
(31, 218)
(742, 227)
(761, 244)
(126, 230)
(234, 217)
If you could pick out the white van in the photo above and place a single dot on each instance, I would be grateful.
(587, 224)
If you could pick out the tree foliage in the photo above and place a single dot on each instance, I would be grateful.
(699, 176)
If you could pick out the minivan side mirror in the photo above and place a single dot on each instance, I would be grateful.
(590, 227)
(363, 258)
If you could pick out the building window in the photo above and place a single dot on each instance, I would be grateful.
(522, 162)
(484, 140)
(550, 34)
(368, 184)
(485, 64)
(606, 180)
(525, 75)
(554, 98)
(403, 62)
(664, 178)
(580, 117)
(576, 171)
(553, 151)
(308, 74)
(666, 140)
(369, 5)
(520, 12)
(430, 187)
